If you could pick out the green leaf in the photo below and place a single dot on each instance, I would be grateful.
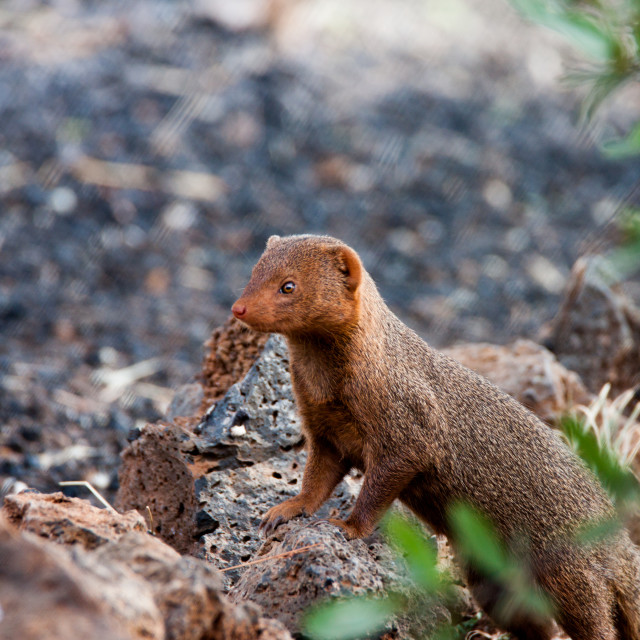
(624, 147)
(477, 540)
(419, 552)
(349, 619)
(596, 532)
(621, 484)
(582, 31)
(584, 34)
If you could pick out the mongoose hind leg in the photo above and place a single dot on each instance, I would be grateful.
(493, 599)
(583, 595)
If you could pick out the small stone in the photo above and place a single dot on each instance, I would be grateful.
(545, 273)
(179, 216)
(63, 200)
(497, 194)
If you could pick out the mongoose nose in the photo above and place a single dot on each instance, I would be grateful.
(238, 310)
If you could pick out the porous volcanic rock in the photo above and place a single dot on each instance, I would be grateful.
(290, 584)
(231, 351)
(215, 483)
(157, 477)
(596, 333)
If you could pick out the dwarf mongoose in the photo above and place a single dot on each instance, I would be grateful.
(426, 430)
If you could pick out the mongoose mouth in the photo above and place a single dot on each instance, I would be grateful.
(250, 319)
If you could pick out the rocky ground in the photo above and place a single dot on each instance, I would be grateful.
(193, 488)
(149, 148)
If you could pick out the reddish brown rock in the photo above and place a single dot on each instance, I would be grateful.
(528, 372)
(231, 351)
(131, 586)
(157, 475)
(68, 520)
(43, 595)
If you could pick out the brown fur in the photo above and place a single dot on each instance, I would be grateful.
(426, 430)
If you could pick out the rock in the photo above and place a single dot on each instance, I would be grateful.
(263, 404)
(236, 499)
(289, 585)
(187, 592)
(231, 351)
(160, 468)
(528, 372)
(42, 594)
(597, 330)
(132, 584)
(68, 520)
(215, 484)
(157, 475)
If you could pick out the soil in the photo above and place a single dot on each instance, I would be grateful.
(148, 150)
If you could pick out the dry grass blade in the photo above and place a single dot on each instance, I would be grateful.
(150, 528)
(286, 554)
(615, 431)
(88, 485)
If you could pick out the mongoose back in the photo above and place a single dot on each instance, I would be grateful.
(430, 432)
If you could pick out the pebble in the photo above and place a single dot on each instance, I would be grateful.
(63, 200)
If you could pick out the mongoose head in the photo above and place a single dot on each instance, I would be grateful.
(303, 285)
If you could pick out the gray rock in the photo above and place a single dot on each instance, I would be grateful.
(256, 420)
(287, 586)
(235, 500)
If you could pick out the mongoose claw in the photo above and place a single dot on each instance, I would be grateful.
(314, 523)
(269, 525)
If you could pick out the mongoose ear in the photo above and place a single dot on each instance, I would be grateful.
(352, 268)
(273, 240)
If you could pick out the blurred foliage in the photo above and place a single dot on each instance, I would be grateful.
(607, 34)
(599, 451)
(625, 258)
(481, 548)
(355, 617)
(601, 457)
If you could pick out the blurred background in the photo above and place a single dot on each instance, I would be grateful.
(149, 148)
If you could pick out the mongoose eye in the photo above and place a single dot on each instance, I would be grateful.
(288, 287)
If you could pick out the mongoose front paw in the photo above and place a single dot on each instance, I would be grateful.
(280, 514)
(350, 530)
